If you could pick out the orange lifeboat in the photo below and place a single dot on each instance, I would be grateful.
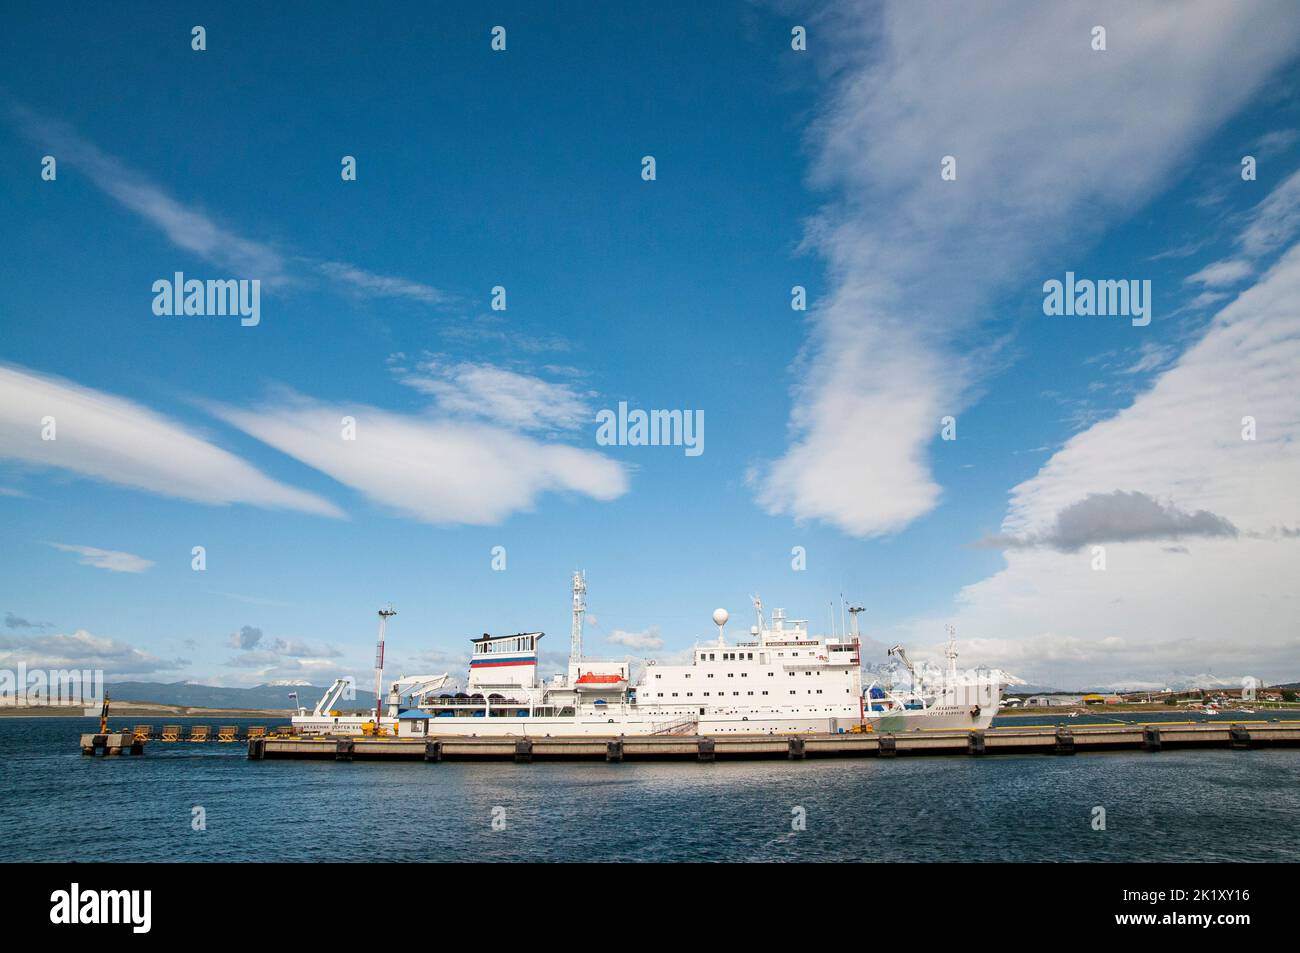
(601, 683)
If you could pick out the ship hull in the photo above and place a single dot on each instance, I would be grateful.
(647, 723)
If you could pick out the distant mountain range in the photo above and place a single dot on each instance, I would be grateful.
(188, 695)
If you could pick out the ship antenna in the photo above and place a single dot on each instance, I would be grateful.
(857, 635)
(385, 614)
(579, 608)
(720, 617)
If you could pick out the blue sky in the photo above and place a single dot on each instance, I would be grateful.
(476, 428)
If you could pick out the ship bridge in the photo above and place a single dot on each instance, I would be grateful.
(504, 661)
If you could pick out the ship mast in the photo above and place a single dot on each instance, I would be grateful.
(385, 614)
(579, 608)
(951, 653)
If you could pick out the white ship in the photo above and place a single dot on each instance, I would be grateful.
(780, 680)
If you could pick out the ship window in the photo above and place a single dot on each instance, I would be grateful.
(710, 656)
(688, 694)
(731, 675)
(657, 675)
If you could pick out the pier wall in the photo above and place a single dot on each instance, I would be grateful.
(1044, 740)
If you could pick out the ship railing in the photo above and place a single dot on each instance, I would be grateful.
(675, 727)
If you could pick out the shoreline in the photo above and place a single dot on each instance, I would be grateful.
(143, 710)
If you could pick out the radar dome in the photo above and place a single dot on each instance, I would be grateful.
(720, 616)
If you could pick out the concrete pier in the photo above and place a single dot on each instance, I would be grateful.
(1059, 740)
(115, 743)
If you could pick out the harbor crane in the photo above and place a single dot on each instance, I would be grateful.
(899, 651)
(415, 686)
(333, 695)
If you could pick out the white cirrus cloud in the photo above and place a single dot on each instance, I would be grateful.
(1051, 144)
(479, 390)
(1274, 220)
(184, 226)
(1230, 271)
(111, 559)
(438, 471)
(198, 232)
(109, 438)
(382, 286)
(643, 641)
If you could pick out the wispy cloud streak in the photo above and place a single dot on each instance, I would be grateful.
(199, 232)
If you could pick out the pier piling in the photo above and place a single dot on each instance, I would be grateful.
(705, 749)
(1064, 741)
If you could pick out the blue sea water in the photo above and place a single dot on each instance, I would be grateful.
(57, 805)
